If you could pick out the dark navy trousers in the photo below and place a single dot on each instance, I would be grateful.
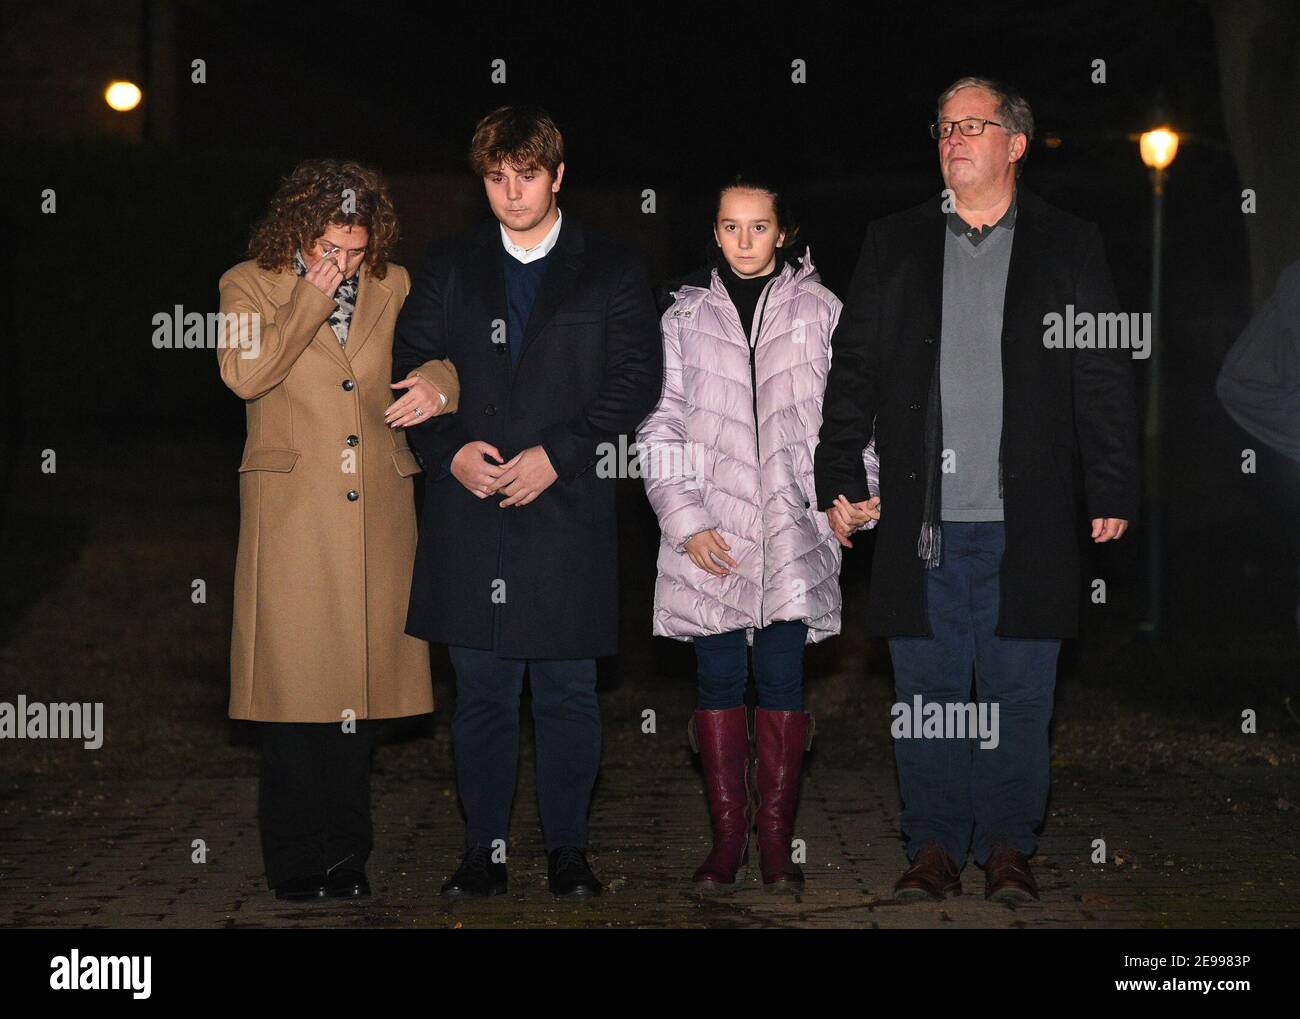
(778, 667)
(485, 732)
(953, 791)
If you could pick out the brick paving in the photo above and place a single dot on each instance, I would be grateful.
(98, 607)
(119, 855)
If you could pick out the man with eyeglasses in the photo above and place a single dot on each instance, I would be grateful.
(940, 353)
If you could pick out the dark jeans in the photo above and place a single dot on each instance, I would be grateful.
(948, 785)
(314, 797)
(485, 731)
(778, 667)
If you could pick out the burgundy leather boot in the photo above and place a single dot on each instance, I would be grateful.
(782, 738)
(721, 738)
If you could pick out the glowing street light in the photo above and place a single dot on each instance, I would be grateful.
(1158, 147)
(122, 96)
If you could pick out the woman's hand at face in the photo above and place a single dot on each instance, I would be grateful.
(708, 551)
(325, 276)
(421, 402)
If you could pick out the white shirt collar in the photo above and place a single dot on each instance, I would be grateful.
(539, 250)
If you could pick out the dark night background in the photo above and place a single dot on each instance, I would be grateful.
(154, 205)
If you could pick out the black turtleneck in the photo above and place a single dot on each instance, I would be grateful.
(744, 292)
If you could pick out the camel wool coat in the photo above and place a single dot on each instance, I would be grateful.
(327, 518)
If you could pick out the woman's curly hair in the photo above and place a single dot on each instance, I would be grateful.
(313, 197)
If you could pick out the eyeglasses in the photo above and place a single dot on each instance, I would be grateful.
(969, 126)
(327, 249)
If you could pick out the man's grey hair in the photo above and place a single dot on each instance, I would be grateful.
(1013, 109)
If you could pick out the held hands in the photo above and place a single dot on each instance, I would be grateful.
(709, 552)
(423, 397)
(325, 276)
(1108, 529)
(846, 517)
(521, 479)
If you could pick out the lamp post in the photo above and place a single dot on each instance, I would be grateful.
(1158, 148)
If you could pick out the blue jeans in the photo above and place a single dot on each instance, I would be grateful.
(950, 786)
(485, 736)
(778, 667)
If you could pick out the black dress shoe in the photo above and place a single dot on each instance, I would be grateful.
(477, 877)
(301, 889)
(569, 874)
(347, 883)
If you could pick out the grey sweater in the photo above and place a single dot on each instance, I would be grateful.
(970, 373)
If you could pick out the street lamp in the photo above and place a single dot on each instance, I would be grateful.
(1158, 147)
(122, 96)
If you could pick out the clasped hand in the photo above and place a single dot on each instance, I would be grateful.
(522, 478)
(846, 517)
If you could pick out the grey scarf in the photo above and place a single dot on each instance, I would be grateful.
(929, 544)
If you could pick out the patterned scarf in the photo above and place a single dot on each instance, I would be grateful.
(345, 295)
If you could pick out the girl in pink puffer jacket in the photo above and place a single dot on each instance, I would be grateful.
(745, 556)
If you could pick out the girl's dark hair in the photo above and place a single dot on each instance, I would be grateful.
(711, 254)
(785, 220)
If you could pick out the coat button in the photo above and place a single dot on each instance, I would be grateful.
(348, 385)
(929, 339)
(353, 440)
(915, 406)
(490, 409)
(911, 476)
(353, 496)
(1011, 476)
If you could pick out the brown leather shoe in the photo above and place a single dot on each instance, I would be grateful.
(1007, 877)
(932, 875)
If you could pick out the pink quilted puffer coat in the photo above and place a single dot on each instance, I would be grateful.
(730, 446)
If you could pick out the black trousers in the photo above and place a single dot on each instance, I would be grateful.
(314, 797)
(485, 732)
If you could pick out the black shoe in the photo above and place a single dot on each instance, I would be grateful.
(568, 874)
(477, 877)
(301, 889)
(347, 883)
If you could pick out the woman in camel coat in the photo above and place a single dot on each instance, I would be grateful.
(327, 522)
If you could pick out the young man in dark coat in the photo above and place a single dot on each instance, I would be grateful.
(947, 352)
(554, 335)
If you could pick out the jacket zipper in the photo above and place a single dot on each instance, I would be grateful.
(755, 329)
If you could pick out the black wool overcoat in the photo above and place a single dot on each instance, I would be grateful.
(1062, 409)
(539, 580)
